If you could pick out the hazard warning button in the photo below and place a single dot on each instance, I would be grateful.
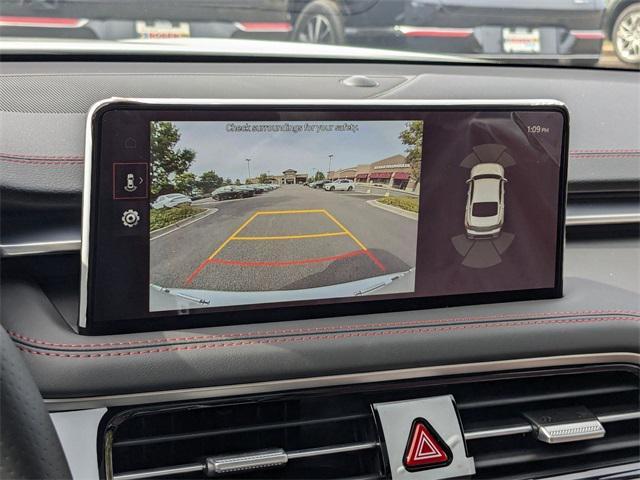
(423, 439)
(425, 449)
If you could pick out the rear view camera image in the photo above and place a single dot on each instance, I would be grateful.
(245, 213)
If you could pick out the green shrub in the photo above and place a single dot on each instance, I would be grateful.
(410, 204)
(168, 216)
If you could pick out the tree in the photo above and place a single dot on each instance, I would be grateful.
(185, 183)
(209, 181)
(238, 181)
(411, 136)
(318, 176)
(227, 181)
(263, 178)
(167, 161)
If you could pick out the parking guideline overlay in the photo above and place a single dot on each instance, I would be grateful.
(236, 237)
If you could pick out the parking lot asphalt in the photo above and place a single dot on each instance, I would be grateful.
(291, 238)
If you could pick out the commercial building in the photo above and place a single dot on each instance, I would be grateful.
(289, 177)
(394, 172)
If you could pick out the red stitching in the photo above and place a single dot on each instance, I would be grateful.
(41, 162)
(606, 150)
(282, 340)
(361, 326)
(605, 155)
(41, 157)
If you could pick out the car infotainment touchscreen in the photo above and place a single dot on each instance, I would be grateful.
(206, 213)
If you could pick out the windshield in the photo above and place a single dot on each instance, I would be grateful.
(591, 33)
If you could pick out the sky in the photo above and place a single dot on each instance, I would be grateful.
(224, 146)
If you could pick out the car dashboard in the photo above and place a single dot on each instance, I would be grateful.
(307, 398)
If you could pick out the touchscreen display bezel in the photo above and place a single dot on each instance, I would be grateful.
(206, 317)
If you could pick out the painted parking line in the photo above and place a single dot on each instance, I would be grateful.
(362, 246)
(235, 236)
(287, 263)
(294, 237)
(240, 228)
(344, 229)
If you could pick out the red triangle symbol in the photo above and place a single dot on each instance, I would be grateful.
(424, 448)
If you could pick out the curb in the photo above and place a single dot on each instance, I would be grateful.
(392, 209)
(161, 232)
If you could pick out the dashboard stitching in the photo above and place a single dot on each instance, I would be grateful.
(285, 331)
(283, 340)
(41, 157)
(605, 150)
(42, 162)
(605, 155)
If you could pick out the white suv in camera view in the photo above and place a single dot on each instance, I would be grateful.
(346, 185)
(484, 215)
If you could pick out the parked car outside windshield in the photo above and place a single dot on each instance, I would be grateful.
(591, 33)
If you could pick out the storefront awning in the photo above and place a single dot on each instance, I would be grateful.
(377, 175)
(362, 175)
(401, 176)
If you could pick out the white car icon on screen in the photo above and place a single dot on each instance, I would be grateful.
(484, 214)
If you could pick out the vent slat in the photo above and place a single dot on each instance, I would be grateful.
(237, 430)
(507, 458)
(538, 397)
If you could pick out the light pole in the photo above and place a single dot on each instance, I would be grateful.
(248, 160)
(330, 158)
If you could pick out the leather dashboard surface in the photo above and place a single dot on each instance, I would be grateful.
(43, 108)
(592, 318)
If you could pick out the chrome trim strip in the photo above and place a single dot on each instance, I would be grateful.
(43, 248)
(317, 452)
(160, 472)
(86, 212)
(60, 404)
(619, 417)
(613, 219)
(497, 432)
(39, 248)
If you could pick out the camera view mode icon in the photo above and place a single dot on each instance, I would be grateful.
(130, 181)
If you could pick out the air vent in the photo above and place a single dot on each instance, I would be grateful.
(313, 438)
(502, 440)
(331, 433)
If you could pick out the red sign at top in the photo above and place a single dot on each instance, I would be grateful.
(425, 449)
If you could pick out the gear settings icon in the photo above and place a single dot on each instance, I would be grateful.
(130, 218)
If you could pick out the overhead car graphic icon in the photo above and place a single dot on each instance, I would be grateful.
(484, 215)
(484, 240)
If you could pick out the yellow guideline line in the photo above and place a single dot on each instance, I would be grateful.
(284, 212)
(291, 237)
(345, 230)
(224, 244)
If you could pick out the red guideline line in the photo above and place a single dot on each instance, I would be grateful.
(288, 263)
(375, 260)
